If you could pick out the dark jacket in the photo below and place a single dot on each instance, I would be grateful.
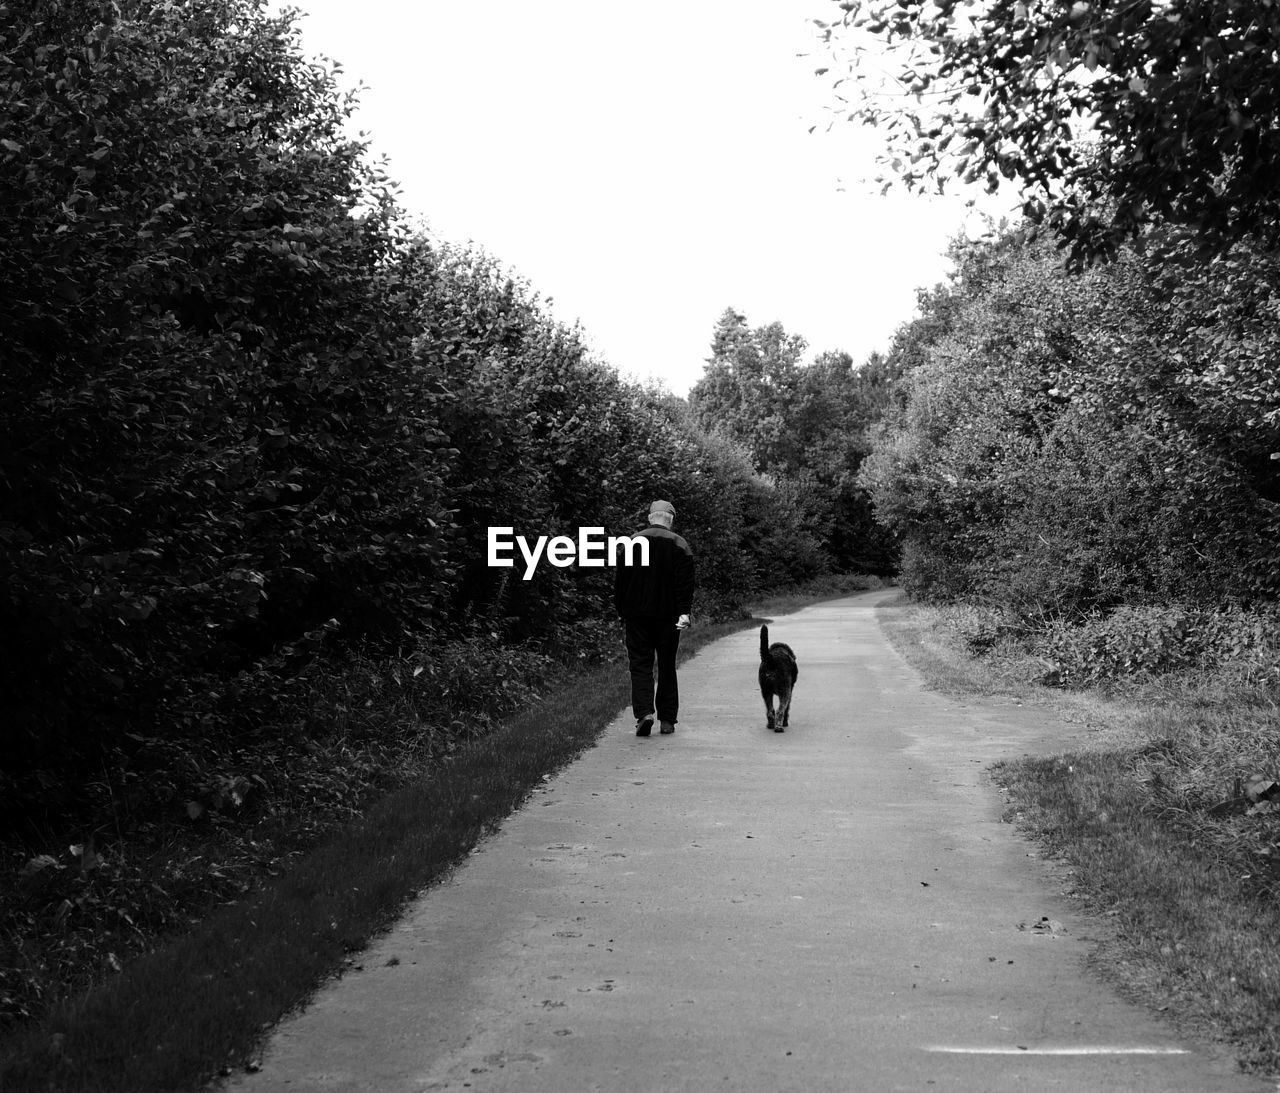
(663, 588)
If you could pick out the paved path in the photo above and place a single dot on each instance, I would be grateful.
(836, 907)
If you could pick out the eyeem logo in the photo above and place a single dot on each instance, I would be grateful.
(592, 549)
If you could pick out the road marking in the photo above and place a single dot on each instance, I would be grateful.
(1087, 1050)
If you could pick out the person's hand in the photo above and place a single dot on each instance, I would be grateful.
(682, 623)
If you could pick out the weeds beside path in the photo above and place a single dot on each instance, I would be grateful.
(1149, 813)
(176, 1016)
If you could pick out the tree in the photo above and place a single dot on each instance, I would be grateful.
(805, 425)
(1109, 115)
(1073, 442)
(748, 385)
(213, 438)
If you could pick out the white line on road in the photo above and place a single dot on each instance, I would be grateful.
(1087, 1050)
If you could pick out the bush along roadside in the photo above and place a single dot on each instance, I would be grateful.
(1145, 641)
(181, 826)
(1171, 816)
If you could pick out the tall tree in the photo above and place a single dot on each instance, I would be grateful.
(805, 425)
(1072, 442)
(748, 386)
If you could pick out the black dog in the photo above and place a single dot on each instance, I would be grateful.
(778, 673)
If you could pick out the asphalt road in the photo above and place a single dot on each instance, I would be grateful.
(836, 907)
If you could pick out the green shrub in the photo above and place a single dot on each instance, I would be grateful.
(1148, 641)
(980, 628)
(1069, 443)
(168, 813)
(210, 443)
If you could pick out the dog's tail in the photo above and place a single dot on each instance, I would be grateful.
(764, 642)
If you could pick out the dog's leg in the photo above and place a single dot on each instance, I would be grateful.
(784, 709)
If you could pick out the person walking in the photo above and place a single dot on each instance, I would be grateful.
(654, 602)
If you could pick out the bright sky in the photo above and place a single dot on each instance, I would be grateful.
(644, 166)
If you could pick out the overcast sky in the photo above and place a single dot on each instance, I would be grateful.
(644, 166)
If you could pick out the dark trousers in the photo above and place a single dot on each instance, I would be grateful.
(647, 639)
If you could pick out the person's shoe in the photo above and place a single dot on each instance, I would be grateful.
(668, 727)
(644, 724)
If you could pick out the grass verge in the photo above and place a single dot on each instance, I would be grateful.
(195, 1007)
(1145, 813)
(1192, 939)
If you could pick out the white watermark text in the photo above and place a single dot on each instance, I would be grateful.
(592, 549)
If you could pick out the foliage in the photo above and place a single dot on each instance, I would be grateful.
(748, 386)
(1150, 640)
(195, 822)
(1109, 116)
(806, 427)
(1072, 443)
(979, 629)
(211, 443)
